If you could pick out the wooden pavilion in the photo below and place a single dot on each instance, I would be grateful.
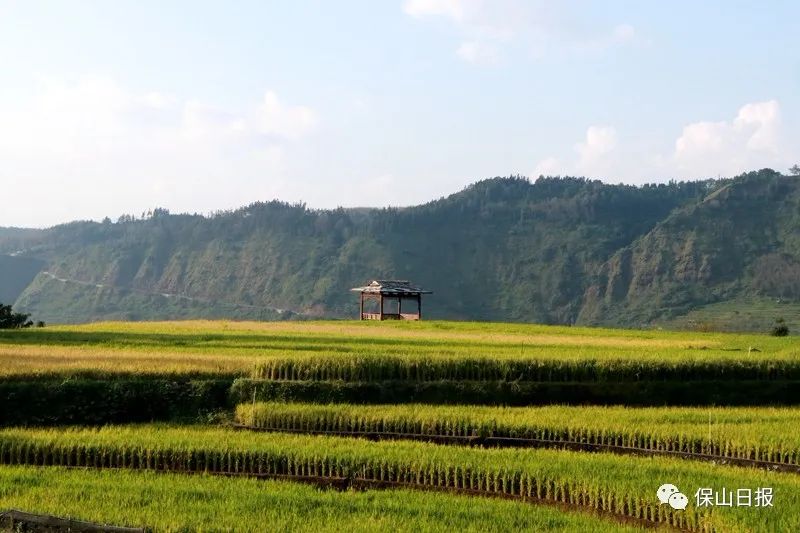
(389, 296)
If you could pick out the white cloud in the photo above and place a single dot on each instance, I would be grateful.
(702, 138)
(623, 33)
(761, 120)
(202, 122)
(157, 100)
(750, 140)
(291, 122)
(94, 147)
(619, 36)
(453, 9)
(478, 53)
(64, 117)
(485, 26)
(594, 156)
(490, 28)
(594, 150)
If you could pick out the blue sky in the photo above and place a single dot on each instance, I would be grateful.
(118, 107)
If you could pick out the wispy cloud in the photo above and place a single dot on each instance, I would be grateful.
(750, 140)
(454, 9)
(96, 144)
(479, 53)
(490, 29)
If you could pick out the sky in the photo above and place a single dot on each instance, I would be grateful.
(111, 108)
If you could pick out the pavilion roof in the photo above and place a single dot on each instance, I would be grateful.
(391, 286)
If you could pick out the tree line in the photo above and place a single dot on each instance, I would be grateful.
(9, 319)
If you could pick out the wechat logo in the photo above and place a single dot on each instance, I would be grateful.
(670, 494)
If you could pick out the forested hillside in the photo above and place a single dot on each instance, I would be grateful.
(742, 241)
(556, 250)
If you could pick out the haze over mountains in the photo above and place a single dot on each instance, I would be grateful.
(717, 254)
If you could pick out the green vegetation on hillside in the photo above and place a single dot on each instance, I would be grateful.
(743, 314)
(16, 273)
(739, 242)
(557, 250)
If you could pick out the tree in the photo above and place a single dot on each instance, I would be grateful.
(780, 329)
(795, 170)
(11, 320)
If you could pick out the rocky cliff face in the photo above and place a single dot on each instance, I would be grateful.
(740, 239)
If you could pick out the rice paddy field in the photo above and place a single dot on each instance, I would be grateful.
(728, 432)
(177, 502)
(241, 348)
(428, 426)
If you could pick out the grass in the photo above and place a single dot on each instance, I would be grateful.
(172, 502)
(622, 485)
(747, 433)
(753, 313)
(234, 348)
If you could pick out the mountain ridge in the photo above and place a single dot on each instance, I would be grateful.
(554, 250)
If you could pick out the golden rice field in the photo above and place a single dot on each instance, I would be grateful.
(233, 348)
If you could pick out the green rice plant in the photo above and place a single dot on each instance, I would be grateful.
(387, 367)
(175, 502)
(621, 485)
(729, 432)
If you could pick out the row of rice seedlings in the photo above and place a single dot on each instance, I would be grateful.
(745, 433)
(620, 485)
(357, 368)
(174, 502)
(507, 482)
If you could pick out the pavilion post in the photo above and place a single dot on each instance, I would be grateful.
(361, 315)
(419, 307)
(381, 314)
(400, 306)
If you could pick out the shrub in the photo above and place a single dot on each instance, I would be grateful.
(780, 329)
